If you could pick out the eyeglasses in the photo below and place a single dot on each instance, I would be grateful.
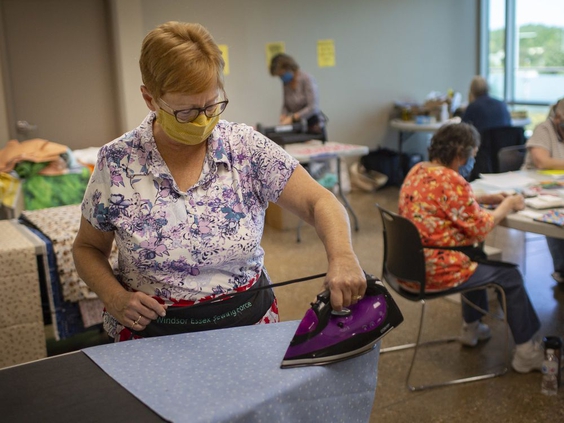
(190, 115)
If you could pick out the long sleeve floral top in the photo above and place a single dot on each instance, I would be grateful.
(442, 205)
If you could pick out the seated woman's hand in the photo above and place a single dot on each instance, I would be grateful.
(518, 202)
(286, 120)
(346, 281)
(135, 310)
(514, 202)
(492, 199)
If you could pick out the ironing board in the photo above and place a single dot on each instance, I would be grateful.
(226, 375)
(233, 375)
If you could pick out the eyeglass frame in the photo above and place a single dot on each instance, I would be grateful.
(199, 109)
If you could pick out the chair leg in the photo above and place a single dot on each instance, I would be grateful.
(418, 344)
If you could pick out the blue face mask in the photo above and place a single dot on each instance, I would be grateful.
(287, 77)
(466, 168)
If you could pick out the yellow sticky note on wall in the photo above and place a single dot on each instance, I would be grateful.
(325, 53)
(225, 53)
(272, 49)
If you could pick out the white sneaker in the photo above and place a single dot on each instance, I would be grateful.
(528, 357)
(558, 277)
(473, 332)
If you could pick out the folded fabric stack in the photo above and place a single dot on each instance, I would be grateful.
(43, 183)
(73, 305)
(22, 336)
(36, 174)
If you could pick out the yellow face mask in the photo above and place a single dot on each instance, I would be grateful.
(192, 133)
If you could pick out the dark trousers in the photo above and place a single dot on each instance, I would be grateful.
(556, 248)
(521, 316)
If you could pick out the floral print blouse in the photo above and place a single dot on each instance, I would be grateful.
(442, 205)
(195, 244)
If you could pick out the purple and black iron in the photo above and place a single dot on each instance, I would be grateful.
(325, 336)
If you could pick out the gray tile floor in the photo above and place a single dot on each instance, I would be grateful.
(510, 398)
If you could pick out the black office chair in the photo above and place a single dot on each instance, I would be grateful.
(404, 260)
(511, 158)
(491, 142)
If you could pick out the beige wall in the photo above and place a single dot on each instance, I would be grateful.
(385, 51)
(128, 33)
(4, 134)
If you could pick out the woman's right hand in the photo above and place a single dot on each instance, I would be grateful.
(134, 310)
(508, 205)
(517, 202)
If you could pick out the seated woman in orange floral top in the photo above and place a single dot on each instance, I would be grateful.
(440, 202)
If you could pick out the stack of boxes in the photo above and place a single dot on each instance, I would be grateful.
(22, 335)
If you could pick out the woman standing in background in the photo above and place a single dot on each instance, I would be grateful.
(301, 96)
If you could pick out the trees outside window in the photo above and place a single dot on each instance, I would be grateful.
(522, 53)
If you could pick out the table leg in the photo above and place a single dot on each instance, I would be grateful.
(342, 195)
(400, 141)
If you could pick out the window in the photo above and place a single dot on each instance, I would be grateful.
(522, 53)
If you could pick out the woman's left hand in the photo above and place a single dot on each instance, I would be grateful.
(346, 281)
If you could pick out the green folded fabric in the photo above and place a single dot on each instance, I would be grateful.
(43, 191)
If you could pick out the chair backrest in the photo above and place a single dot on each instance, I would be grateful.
(493, 140)
(511, 158)
(403, 253)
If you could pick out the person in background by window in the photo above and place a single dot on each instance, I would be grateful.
(301, 96)
(483, 111)
(545, 150)
(440, 202)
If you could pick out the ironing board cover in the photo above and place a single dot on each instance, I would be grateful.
(233, 375)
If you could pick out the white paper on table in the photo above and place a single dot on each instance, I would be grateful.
(545, 202)
(507, 180)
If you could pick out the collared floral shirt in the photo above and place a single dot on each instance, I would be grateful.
(195, 244)
(441, 203)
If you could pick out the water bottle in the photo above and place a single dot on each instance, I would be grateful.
(555, 342)
(444, 112)
(549, 384)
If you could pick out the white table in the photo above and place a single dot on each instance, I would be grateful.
(526, 224)
(406, 128)
(520, 121)
(516, 220)
(317, 151)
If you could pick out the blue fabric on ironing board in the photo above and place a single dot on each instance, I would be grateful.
(233, 375)
(65, 315)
